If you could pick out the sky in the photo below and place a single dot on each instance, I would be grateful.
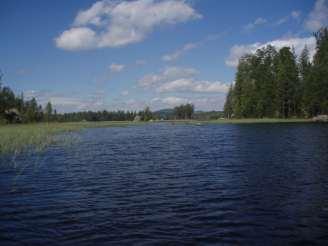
(112, 54)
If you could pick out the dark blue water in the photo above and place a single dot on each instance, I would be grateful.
(158, 184)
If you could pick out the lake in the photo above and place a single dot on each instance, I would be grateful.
(163, 184)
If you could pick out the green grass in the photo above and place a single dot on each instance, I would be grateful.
(17, 138)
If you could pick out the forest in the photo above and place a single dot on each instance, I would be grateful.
(278, 84)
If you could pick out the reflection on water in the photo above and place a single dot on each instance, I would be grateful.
(257, 184)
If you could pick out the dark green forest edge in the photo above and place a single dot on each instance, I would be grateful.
(277, 84)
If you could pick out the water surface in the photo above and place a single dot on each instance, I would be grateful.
(161, 184)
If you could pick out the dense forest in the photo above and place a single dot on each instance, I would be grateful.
(273, 83)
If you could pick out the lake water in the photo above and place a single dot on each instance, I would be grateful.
(162, 184)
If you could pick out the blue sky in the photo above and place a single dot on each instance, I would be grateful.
(95, 55)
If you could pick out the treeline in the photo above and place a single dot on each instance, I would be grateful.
(184, 111)
(14, 109)
(273, 83)
(96, 116)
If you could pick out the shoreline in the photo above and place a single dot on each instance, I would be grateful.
(17, 138)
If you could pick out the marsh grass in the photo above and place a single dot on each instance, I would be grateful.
(15, 139)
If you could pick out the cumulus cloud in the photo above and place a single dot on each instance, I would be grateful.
(77, 38)
(116, 68)
(177, 79)
(237, 51)
(168, 74)
(318, 17)
(252, 25)
(118, 23)
(192, 85)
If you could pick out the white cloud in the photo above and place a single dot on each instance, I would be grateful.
(169, 73)
(64, 102)
(201, 103)
(169, 101)
(176, 54)
(116, 68)
(141, 62)
(77, 38)
(237, 51)
(125, 93)
(318, 17)
(191, 85)
(294, 15)
(173, 56)
(118, 23)
(252, 25)
(177, 79)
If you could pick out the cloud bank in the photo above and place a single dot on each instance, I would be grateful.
(118, 23)
(178, 79)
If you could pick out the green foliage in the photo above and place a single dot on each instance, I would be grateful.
(184, 111)
(273, 84)
(48, 112)
(146, 115)
(228, 110)
(287, 83)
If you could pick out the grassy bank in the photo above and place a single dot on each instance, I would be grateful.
(17, 138)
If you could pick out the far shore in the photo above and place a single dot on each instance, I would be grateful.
(20, 137)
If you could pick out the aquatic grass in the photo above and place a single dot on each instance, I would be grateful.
(15, 139)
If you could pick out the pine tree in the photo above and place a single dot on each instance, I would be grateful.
(48, 112)
(304, 65)
(320, 73)
(228, 106)
(287, 83)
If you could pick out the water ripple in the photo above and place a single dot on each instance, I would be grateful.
(171, 185)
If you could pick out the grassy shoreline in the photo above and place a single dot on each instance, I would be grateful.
(17, 138)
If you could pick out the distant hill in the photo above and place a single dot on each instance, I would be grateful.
(165, 114)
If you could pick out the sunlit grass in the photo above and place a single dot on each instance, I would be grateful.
(17, 138)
